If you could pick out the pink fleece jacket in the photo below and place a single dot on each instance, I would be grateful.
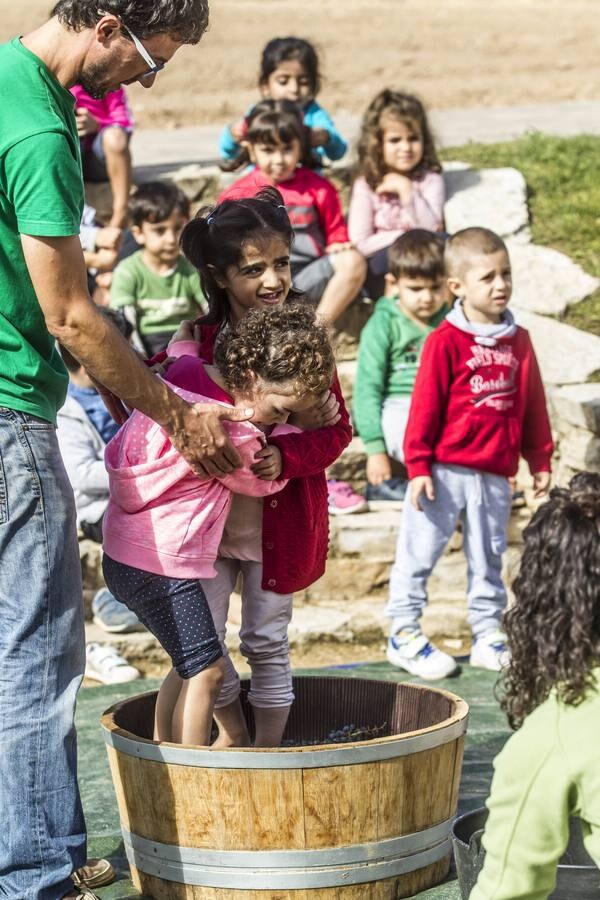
(163, 518)
(113, 109)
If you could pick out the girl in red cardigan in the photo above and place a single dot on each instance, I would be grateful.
(242, 251)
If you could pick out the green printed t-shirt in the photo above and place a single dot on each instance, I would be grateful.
(41, 194)
(160, 301)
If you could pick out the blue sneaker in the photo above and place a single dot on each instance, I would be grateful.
(112, 615)
(393, 490)
(411, 651)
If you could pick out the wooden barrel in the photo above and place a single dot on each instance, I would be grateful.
(346, 821)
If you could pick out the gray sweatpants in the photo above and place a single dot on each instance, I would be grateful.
(394, 417)
(482, 502)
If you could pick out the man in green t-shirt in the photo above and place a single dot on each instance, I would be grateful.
(43, 296)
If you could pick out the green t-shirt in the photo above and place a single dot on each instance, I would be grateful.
(41, 194)
(160, 301)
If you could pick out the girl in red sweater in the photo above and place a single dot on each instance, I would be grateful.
(325, 265)
(242, 251)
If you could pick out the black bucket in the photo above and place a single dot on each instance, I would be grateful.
(577, 878)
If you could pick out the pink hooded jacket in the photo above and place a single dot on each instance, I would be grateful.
(163, 518)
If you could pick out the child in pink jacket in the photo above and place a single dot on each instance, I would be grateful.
(164, 524)
(105, 127)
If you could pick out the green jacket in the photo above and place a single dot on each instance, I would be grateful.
(388, 358)
(549, 770)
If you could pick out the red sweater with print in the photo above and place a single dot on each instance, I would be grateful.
(313, 205)
(477, 406)
(295, 532)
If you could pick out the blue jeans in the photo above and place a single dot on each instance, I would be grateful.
(42, 658)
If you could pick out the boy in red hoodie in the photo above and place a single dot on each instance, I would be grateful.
(477, 405)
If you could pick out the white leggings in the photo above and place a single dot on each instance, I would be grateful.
(263, 634)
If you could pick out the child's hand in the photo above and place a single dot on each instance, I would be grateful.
(325, 412)
(109, 238)
(238, 130)
(339, 247)
(379, 468)
(103, 260)
(269, 464)
(319, 137)
(86, 123)
(395, 183)
(418, 485)
(541, 484)
(187, 331)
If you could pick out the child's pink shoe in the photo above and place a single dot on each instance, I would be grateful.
(341, 499)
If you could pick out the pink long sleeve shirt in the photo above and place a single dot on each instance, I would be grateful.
(376, 220)
(161, 517)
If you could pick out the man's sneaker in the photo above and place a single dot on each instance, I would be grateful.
(341, 499)
(112, 615)
(103, 663)
(490, 652)
(96, 873)
(393, 490)
(411, 651)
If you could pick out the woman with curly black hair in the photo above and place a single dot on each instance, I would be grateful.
(550, 769)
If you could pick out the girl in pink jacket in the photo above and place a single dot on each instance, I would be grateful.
(164, 524)
(398, 184)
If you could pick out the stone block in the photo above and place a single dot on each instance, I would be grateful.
(493, 198)
(578, 405)
(546, 281)
(351, 464)
(346, 370)
(566, 355)
(580, 450)
(348, 327)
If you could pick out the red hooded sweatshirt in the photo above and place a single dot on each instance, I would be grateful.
(478, 402)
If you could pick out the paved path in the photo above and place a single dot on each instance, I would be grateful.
(163, 148)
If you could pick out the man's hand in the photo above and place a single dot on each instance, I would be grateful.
(325, 412)
(109, 238)
(202, 440)
(379, 468)
(419, 485)
(86, 123)
(541, 484)
(395, 183)
(269, 465)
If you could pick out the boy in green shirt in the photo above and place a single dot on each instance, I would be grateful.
(157, 287)
(389, 350)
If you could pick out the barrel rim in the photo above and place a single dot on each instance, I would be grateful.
(314, 756)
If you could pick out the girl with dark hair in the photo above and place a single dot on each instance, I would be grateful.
(289, 70)
(325, 265)
(241, 249)
(163, 525)
(398, 183)
(550, 769)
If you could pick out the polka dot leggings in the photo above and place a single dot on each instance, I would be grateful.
(173, 609)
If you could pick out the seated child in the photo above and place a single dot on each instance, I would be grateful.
(325, 266)
(164, 524)
(549, 771)
(105, 127)
(289, 70)
(157, 287)
(478, 404)
(388, 354)
(398, 184)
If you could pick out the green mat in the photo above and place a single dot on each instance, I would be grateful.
(486, 735)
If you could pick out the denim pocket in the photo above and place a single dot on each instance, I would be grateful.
(34, 423)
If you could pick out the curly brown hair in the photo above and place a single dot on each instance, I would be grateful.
(406, 108)
(283, 345)
(554, 627)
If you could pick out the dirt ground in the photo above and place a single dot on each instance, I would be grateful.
(454, 53)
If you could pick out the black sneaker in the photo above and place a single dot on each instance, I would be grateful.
(394, 490)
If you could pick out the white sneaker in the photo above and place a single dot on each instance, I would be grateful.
(490, 651)
(410, 650)
(103, 663)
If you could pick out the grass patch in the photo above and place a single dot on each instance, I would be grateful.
(563, 181)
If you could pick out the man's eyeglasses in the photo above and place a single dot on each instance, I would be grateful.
(153, 67)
